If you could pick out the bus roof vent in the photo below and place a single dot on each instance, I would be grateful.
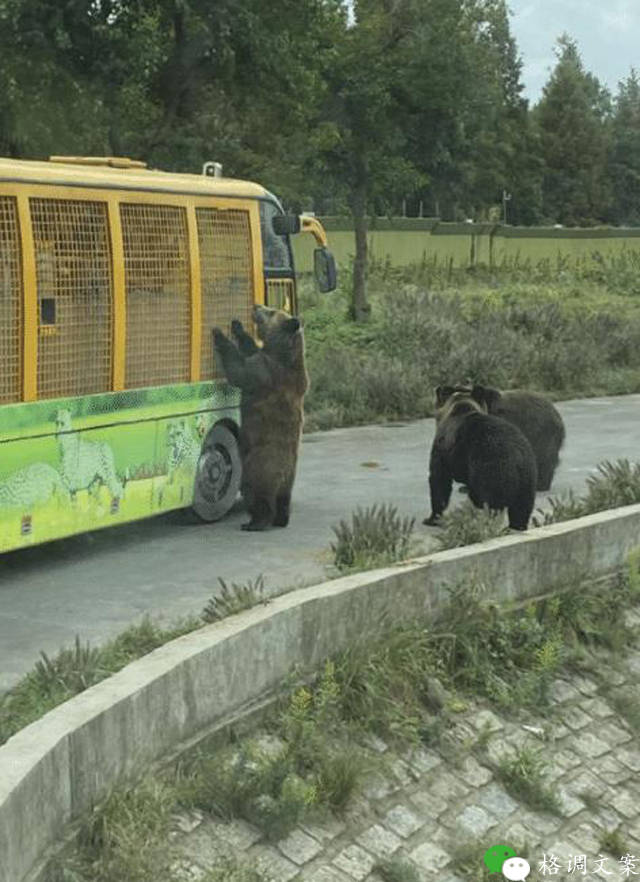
(110, 161)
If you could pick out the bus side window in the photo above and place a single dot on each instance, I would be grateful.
(158, 292)
(10, 301)
(275, 249)
(75, 296)
(226, 269)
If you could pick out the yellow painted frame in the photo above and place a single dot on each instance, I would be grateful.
(113, 198)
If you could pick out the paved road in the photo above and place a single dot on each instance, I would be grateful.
(97, 584)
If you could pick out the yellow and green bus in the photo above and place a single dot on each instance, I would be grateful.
(112, 277)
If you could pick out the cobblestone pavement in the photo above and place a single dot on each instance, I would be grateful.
(425, 805)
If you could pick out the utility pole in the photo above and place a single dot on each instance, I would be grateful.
(505, 198)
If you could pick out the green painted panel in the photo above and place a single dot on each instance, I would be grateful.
(77, 464)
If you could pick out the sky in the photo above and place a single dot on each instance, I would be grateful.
(607, 33)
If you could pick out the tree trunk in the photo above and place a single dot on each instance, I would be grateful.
(359, 305)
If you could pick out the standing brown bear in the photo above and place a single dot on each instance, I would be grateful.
(273, 381)
(488, 454)
(535, 416)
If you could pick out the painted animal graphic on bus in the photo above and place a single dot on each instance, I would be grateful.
(183, 451)
(33, 485)
(85, 465)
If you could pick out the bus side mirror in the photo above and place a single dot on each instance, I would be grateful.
(286, 224)
(324, 268)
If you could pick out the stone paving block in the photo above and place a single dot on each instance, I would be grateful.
(633, 663)
(610, 770)
(587, 836)
(299, 847)
(475, 821)
(588, 745)
(625, 804)
(271, 864)
(401, 771)
(324, 874)
(449, 788)
(584, 781)
(377, 786)
(518, 834)
(575, 718)
(561, 691)
(428, 804)
(355, 862)
(614, 734)
(564, 760)
(556, 731)
(570, 805)
(584, 684)
(325, 829)
(237, 833)
(379, 841)
(183, 870)
(422, 760)
(494, 799)
(430, 857)
(375, 743)
(499, 750)
(613, 677)
(402, 821)
(204, 847)
(486, 720)
(472, 773)
(596, 707)
(187, 822)
(544, 825)
(629, 758)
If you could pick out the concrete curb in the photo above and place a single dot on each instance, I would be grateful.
(54, 771)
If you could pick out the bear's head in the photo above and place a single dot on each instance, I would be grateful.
(281, 334)
(457, 400)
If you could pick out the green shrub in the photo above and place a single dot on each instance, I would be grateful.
(376, 536)
(233, 599)
(467, 524)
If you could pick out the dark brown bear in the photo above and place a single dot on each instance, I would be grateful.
(488, 454)
(273, 381)
(535, 416)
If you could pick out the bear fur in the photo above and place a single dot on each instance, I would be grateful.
(273, 381)
(535, 416)
(488, 454)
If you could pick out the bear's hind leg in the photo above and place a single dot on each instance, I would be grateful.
(262, 514)
(283, 505)
(519, 514)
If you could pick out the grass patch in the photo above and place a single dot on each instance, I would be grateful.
(615, 484)
(553, 327)
(613, 842)
(376, 536)
(395, 869)
(234, 598)
(55, 679)
(524, 776)
(467, 524)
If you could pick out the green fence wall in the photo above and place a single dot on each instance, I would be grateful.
(405, 241)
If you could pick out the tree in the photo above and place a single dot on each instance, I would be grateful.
(572, 117)
(624, 161)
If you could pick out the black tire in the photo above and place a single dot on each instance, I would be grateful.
(218, 475)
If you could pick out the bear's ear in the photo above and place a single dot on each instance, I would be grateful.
(291, 325)
(485, 395)
(443, 393)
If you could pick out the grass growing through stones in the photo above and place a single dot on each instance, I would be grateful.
(396, 869)
(376, 536)
(55, 679)
(627, 705)
(467, 524)
(402, 686)
(524, 776)
(613, 842)
(234, 599)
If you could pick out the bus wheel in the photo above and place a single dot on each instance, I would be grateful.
(217, 474)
